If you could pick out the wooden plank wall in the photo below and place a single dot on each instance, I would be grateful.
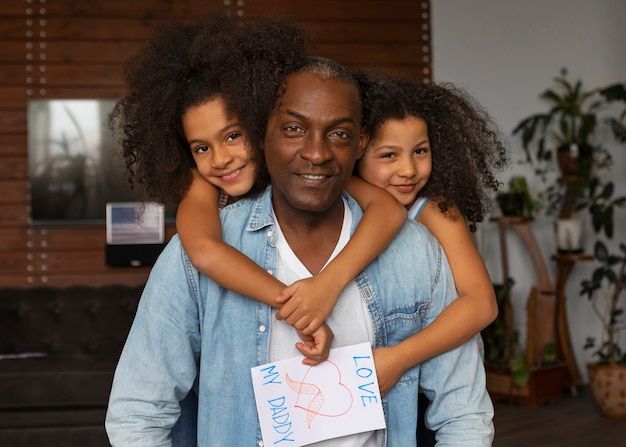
(74, 49)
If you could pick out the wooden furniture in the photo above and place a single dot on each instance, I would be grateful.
(541, 302)
(564, 265)
(58, 352)
(545, 383)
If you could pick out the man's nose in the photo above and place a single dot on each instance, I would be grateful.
(316, 149)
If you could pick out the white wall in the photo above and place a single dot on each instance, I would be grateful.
(505, 53)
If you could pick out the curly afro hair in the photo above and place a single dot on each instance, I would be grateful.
(467, 148)
(185, 65)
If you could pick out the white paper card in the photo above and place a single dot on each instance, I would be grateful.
(299, 404)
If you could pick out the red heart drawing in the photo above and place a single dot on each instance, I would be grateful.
(319, 382)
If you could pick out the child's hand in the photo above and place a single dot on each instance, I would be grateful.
(388, 368)
(307, 303)
(315, 347)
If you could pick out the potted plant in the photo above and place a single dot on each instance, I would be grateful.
(607, 376)
(570, 134)
(517, 201)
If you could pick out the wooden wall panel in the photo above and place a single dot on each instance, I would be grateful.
(75, 49)
(12, 144)
(13, 192)
(13, 168)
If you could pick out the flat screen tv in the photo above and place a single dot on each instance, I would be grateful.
(75, 163)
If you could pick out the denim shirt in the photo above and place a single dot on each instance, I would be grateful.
(191, 333)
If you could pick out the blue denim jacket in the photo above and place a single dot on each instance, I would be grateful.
(190, 332)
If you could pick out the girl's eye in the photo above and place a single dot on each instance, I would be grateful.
(233, 136)
(421, 150)
(200, 149)
(387, 155)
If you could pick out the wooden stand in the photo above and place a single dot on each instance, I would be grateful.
(541, 302)
(546, 381)
(564, 265)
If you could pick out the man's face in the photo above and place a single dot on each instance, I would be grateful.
(312, 142)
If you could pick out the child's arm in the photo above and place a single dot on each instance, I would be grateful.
(200, 231)
(308, 302)
(471, 312)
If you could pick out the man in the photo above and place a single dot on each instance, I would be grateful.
(189, 332)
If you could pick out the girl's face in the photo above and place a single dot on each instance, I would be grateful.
(398, 159)
(219, 147)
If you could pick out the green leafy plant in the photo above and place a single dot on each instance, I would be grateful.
(569, 134)
(611, 273)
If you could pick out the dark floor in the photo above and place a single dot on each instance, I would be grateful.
(571, 421)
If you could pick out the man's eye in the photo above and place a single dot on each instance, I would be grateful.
(340, 134)
(294, 129)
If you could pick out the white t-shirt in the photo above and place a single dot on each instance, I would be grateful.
(349, 320)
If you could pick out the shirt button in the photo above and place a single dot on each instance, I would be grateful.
(270, 272)
(262, 328)
(261, 444)
(270, 233)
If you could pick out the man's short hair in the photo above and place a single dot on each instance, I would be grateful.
(327, 69)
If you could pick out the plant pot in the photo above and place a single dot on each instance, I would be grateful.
(608, 386)
(568, 234)
(544, 385)
(511, 203)
(574, 160)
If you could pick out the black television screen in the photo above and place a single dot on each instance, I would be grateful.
(75, 166)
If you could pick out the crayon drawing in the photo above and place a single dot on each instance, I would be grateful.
(311, 396)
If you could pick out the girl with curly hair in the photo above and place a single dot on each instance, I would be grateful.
(199, 100)
(436, 150)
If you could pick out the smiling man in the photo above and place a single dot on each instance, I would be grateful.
(191, 333)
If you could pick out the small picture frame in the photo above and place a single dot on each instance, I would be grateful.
(132, 223)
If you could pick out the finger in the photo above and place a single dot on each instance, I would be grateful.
(286, 311)
(312, 326)
(283, 297)
(311, 362)
(300, 323)
(311, 356)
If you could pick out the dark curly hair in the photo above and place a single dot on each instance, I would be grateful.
(467, 148)
(185, 65)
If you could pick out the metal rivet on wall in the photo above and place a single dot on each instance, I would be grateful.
(36, 35)
(426, 58)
